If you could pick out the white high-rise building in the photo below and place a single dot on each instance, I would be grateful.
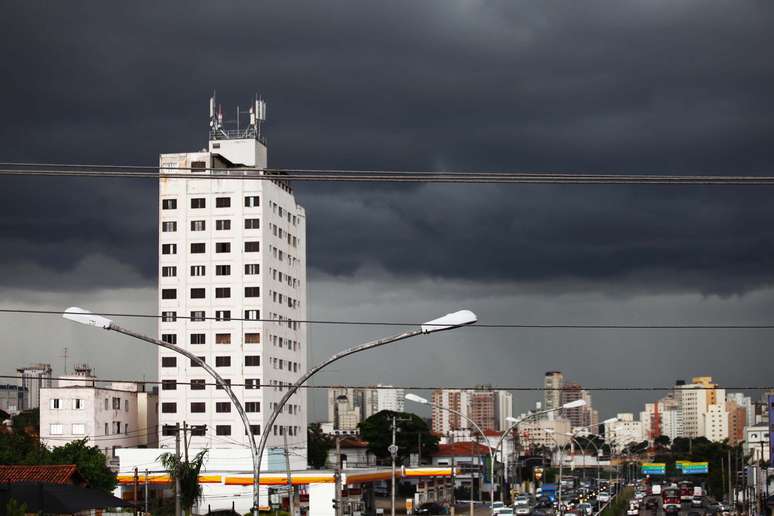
(624, 430)
(716, 422)
(691, 406)
(232, 288)
(34, 378)
(391, 399)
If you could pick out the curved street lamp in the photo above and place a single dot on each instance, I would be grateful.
(447, 322)
(423, 401)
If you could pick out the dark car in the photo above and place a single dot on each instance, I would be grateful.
(651, 504)
(430, 508)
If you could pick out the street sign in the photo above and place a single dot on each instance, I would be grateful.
(653, 468)
(393, 449)
(687, 467)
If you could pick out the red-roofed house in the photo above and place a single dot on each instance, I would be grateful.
(49, 474)
(472, 459)
(354, 454)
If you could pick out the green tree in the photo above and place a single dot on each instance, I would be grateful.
(90, 460)
(411, 429)
(318, 445)
(15, 508)
(21, 448)
(662, 441)
(188, 473)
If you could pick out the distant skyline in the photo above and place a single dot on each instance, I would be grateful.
(602, 86)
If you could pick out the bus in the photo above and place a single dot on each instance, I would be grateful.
(686, 490)
(671, 499)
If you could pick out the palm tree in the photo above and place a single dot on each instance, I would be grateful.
(188, 473)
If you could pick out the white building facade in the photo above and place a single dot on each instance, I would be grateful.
(715, 422)
(232, 290)
(391, 398)
(108, 416)
(625, 430)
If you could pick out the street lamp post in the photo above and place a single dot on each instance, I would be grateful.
(423, 401)
(515, 422)
(82, 316)
(447, 322)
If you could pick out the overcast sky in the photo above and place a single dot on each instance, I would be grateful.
(652, 85)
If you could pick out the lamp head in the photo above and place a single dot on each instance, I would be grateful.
(574, 404)
(450, 321)
(86, 317)
(416, 399)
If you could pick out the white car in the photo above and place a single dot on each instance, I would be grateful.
(603, 497)
(633, 510)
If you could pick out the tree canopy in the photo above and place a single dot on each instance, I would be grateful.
(318, 445)
(411, 430)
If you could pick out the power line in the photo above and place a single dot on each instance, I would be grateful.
(765, 326)
(385, 176)
(418, 387)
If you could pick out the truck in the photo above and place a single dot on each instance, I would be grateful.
(655, 489)
(548, 490)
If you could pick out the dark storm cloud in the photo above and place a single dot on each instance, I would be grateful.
(592, 86)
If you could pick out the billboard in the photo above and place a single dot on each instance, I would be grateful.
(687, 467)
(653, 468)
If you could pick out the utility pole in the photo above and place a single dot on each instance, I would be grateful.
(338, 476)
(146, 491)
(393, 449)
(178, 490)
(453, 469)
(136, 483)
(291, 503)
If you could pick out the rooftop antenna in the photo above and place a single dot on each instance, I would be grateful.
(64, 355)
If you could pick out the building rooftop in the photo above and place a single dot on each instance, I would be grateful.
(50, 474)
(462, 449)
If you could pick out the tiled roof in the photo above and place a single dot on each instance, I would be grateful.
(463, 449)
(352, 442)
(50, 474)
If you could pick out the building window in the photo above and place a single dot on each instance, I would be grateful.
(79, 429)
(198, 430)
(169, 226)
(198, 203)
(222, 338)
(195, 364)
(169, 338)
(168, 293)
(222, 225)
(223, 270)
(222, 429)
(56, 429)
(169, 271)
(198, 165)
(252, 383)
(168, 361)
(252, 201)
(54, 403)
(198, 225)
(126, 405)
(168, 385)
(219, 387)
(198, 385)
(252, 247)
(169, 204)
(198, 407)
(252, 338)
(256, 429)
(223, 202)
(168, 248)
(198, 316)
(252, 315)
(252, 360)
(107, 402)
(77, 404)
(222, 361)
(168, 316)
(198, 338)
(252, 223)
(252, 291)
(252, 268)
(222, 292)
(222, 247)
(197, 293)
(198, 248)
(167, 408)
(253, 406)
(198, 270)
(222, 407)
(223, 315)
(167, 430)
